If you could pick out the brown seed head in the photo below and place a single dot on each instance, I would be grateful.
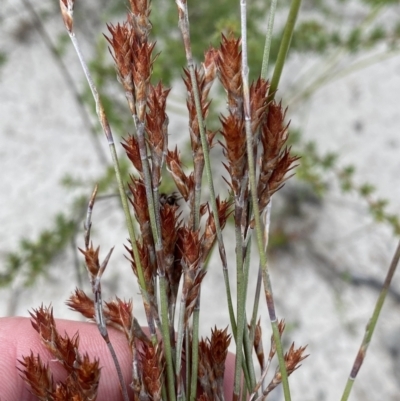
(81, 303)
(92, 259)
(229, 65)
(234, 149)
(152, 369)
(184, 183)
(120, 42)
(131, 147)
(37, 375)
(67, 11)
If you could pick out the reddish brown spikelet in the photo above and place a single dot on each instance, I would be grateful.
(148, 268)
(142, 63)
(205, 370)
(152, 370)
(92, 259)
(88, 374)
(229, 65)
(191, 106)
(83, 375)
(293, 358)
(258, 344)
(189, 244)
(234, 149)
(157, 119)
(139, 17)
(210, 69)
(220, 340)
(37, 375)
(119, 314)
(43, 322)
(120, 41)
(131, 147)
(292, 361)
(81, 303)
(139, 203)
(276, 161)
(184, 183)
(67, 10)
(258, 102)
(169, 231)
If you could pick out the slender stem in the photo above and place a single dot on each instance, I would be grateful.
(284, 47)
(371, 325)
(240, 302)
(195, 351)
(253, 189)
(108, 133)
(247, 342)
(268, 39)
(184, 26)
(166, 337)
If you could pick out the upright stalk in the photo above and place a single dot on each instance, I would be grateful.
(371, 325)
(284, 46)
(268, 40)
(253, 189)
(67, 14)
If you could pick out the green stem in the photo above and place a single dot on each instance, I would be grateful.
(166, 339)
(240, 299)
(253, 190)
(195, 350)
(284, 47)
(108, 133)
(371, 325)
(268, 39)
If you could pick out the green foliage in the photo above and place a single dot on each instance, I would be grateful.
(34, 256)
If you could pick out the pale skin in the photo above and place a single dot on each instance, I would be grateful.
(18, 338)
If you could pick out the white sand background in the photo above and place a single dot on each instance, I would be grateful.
(358, 116)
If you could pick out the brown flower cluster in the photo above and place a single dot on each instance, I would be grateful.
(83, 375)
(212, 356)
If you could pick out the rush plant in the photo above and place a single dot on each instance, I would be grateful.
(168, 250)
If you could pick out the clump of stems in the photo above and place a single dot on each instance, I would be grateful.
(169, 253)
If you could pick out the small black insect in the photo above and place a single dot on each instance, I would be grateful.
(171, 199)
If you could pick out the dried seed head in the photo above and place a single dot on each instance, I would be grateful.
(184, 183)
(131, 147)
(157, 123)
(210, 69)
(220, 340)
(81, 303)
(258, 103)
(152, 369)
(142, 65)
(67, 12)
(83, 374)
(139, 17)
(120, 41)
(292, 361)
(234, 150)
(258, 344)
(37, 375)
(276, 160)
(229, 65)
(92, 259)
